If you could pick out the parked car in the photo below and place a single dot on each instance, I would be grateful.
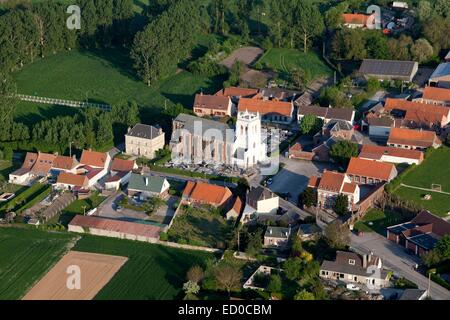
(353, 287)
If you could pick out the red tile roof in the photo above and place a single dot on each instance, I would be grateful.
(349, 188)
(371, 169)
(355, 18)
(418, 138)
(122, 165)
(237, 92)
(438, 94)
(30, 159)
(211, 102)
(331, 181)
(137, 229)
(405, 105)
(206, 193)
(313, 182)
(94, 158)
(43, 163)
(66, 163)
(376, 152)
(266, 106)
(72, 179)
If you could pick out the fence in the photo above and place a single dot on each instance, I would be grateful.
(62, 102)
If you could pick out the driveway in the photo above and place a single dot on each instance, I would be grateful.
(107, 210)
(395, 258)
(294, 176)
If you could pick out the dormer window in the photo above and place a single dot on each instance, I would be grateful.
(351, 262)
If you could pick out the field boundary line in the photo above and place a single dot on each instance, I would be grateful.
(424, 189)
(63, 102)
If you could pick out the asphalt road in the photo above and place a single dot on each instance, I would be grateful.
(395, 258)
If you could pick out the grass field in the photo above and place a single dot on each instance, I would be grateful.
(26, 197)
(80, 207)
(152, 271)
(433, 170)
(199, 226)
(284, 60)
(25, 256)
(376, 220)
(103, 77)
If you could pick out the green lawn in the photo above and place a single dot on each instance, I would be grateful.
(6, 167)
(104, 77)
(80, 207)
(376, 220)
(284, 60)
(199, 226)
(25, 256)
(433, 170)
(152, 271)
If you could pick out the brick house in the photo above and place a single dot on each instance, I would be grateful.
(205, 193)
(421, 234)
(363, 171)
(212, 105)
(436, 96)
(275, 111)
(332, 184)
(391, 154)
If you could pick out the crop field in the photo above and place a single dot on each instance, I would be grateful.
(151, 272)
(95, 271)
(285, 60)
(25, 256)
(433, 170)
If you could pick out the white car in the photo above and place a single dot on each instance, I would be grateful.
(353, 287)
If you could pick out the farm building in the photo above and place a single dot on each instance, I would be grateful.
(391, 154)
(413, 139)
(114, 228)
(389, 69)
(362, 171)
(441, 76)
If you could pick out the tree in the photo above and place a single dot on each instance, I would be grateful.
(399, 49)
(340, 206)
(296, 249)
(309, 22)
(195, 274)
(421, 50)
(274, 283)
(228, 277)
(191, 287)
(342, 151)
(432, 31)
(431, 258)
(310, 125)
(424, 10)
(443, 247)
(308, 197)
(304, 295)
(293, 267)
(337, 235)
(299, 78)
(254, 244)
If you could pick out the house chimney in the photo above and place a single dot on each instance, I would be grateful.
(270, 231)
(146, 181)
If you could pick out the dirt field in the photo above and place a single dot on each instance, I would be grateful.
(96, 271)
(247, 55)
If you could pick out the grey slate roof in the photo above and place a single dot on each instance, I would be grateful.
(442, 70)
(277, 232)
(146, 183)
(349, 269)
(412, 294)
(206, 124)
(144, 131)
(387, 67)
(257, 194)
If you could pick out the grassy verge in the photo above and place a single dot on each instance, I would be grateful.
(376, 220)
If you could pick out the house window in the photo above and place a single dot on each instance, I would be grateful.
(351, 262)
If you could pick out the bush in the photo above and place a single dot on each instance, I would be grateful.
(404, 283)
(163, 236)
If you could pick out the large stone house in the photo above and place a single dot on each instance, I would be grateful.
(350, 267)
(144, 140)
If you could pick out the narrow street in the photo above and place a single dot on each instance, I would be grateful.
(394, 257)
